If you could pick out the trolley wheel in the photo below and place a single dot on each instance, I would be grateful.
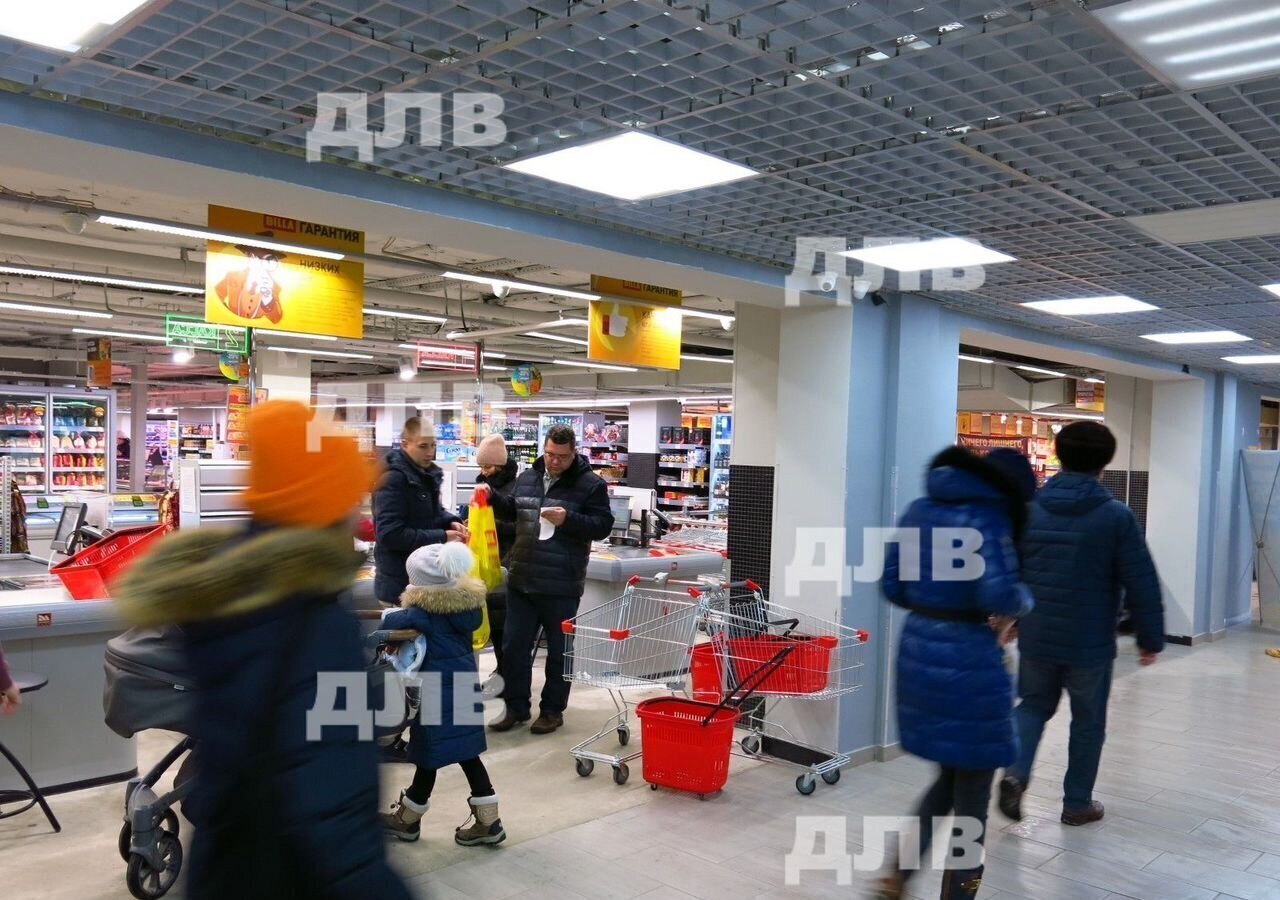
(585, 767)
(831, 777)
(806, 784)
(653, 787)
(621, 773)
(751, 744)
(624, 735)
(147, 883)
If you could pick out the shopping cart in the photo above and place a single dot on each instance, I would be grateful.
(824, 660)
(640, 640)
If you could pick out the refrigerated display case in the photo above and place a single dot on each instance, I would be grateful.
(24, 438)
(721, 441)
(58, 440)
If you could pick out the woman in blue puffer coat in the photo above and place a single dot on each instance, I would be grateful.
(443, 602)
(955, 697)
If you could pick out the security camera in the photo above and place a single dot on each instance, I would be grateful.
(877, 299)
(407, 370)
(860, 288)
(501, 290)
(828, 282)
(75, 222)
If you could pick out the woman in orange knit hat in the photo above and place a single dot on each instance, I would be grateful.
(276, 814)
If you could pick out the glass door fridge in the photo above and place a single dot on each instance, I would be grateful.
(80, 448)
(24, 436)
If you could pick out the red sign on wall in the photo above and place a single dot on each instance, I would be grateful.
(449, 357)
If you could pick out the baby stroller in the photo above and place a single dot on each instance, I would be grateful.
(148, 686)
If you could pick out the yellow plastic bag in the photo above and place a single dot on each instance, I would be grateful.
(484, 546)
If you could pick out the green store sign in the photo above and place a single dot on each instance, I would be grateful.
(188, 331)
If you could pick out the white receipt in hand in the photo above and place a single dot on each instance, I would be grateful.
(546, 529)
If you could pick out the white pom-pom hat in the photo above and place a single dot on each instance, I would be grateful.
(439, 564)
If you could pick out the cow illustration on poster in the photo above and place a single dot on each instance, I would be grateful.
(252, 291)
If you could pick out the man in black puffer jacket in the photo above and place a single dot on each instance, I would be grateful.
(546, 577)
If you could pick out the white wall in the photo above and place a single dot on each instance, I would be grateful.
(645, 422)
(1128, 415)
(755, 385)
(286, 376)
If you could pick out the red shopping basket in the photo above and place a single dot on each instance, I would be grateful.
(682, 748)
(705, 670)
(805, 670)
(88, 574)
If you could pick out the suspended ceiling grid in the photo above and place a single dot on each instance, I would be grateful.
(1024, 126)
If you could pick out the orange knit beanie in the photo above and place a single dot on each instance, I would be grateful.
(302, 472)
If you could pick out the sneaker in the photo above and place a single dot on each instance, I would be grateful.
(508, 721)
(1092, 813)
(492, 687)
(547, 723)
(1011, 790)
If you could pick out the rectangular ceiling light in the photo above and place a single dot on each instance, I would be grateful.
(918, 256)
(397, 314)
(726, 321)
(593, 365)
(1197, 337)
(127, 335)
(728, 360)
(54, 310)
(205, 234)
(293, 334)
(1200, 43)
(498, 283)
(64, 24)
(1090, 306)
(1260, 360)
(1272, 288)
(633, 166)
(109, 280)
(976, 359)
(309, 352)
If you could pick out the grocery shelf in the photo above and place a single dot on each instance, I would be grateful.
(33, 451)
(22, 428)
(685, 485)
(78, 469)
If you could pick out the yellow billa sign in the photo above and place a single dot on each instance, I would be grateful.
(283, 289)
(634, 335)
(636, 290)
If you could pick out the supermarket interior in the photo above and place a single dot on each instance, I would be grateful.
(764, 262)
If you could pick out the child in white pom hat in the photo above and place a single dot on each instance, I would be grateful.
(443, 602)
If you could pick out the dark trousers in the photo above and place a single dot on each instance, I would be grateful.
(525, 612)
(1040, 685)
(496, 602)
(965, 792)
(424, 781)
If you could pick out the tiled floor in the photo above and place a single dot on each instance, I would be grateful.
(1191, 780)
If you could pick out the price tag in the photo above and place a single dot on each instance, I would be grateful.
(42, 503)
(137, 501)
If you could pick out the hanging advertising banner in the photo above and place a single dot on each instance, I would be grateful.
(237, 419)
(282, 290)
(100, 363)
(449, 357)
(634, 335)
(1091, 396)
(197, 334)
(637, 290)
(983, 443)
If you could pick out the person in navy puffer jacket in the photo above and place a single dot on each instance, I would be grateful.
(955, 697)
(1083, 557)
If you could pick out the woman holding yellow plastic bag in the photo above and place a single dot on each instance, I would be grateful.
(499, 472)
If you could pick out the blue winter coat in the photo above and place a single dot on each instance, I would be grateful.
(1082, 556)
(407, 514)
(955, 697)
(446, 616)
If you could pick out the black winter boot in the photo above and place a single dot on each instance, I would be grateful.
(961, 884)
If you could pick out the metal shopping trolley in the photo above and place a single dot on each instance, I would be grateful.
(824, 659)
(640, 640)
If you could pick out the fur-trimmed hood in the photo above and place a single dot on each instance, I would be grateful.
(194, 576)
(465, 595)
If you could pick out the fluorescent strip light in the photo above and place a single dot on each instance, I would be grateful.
(309, 352)
(633, 166)
(1095, 381)
(976, 359)
(452, 351)
(1260, 360)
(1041, 371)
(593, 365)
(483, 333)
(725, 321)
(1224, 50)
(520, 286)
(715, 359)
(941, 253)
(494, 354)
(1197, 337)
(1213, 26)
(557, 337)
(1153, 10)
(1090, 306)
(295, 334)
(68, 26)
(110, 280)
(208, 235)
(396, 314)
(54, 310)
(1073, 416)
(130, 335)
(1233, 71)
(612, 401)
(495, 368)
(1272, 288)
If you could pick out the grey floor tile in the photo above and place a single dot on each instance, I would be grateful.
(685, 872)
(1268, 864)
(1240, 835)
(1220, 879)
(1085, 841)
(1200, 846)
(1036, 883)
(1241, 811)
(1130, 882)
(495, 878)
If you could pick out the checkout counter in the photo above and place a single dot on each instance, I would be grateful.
(60, 734)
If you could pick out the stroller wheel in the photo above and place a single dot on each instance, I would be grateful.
(126, 839)
(147, 883)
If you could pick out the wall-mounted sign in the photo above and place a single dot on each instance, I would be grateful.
(449, 357)
(237, 418)
(1091, 396)
(984, 443)
(634, 335)
(637, 290)
(188, 331)
(100, 362)
(280, 289)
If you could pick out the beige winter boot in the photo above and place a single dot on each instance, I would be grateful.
(403, 820)
(484, 826)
